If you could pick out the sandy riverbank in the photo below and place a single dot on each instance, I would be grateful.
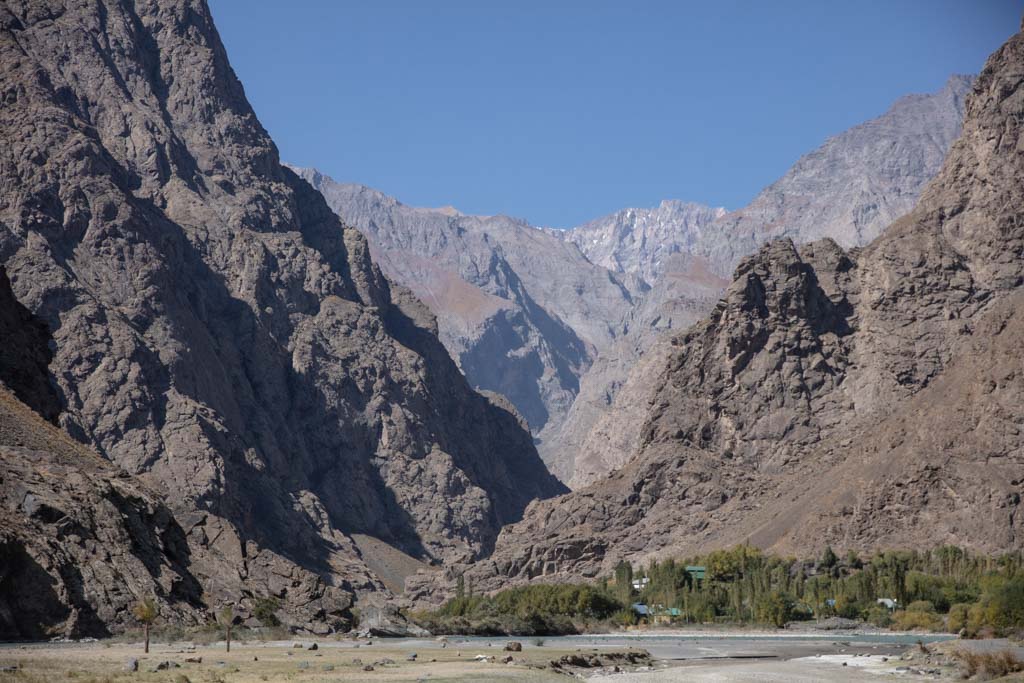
(682, 655)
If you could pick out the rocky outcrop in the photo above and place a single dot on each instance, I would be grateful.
(25, 354)
(864, 399)
(602, 428)
(217, 333)
(80, 541)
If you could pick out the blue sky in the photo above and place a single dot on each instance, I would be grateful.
(559, 112)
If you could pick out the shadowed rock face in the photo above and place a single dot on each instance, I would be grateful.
(217, 332)
(866, 399)
(25, 354)
(80, 540)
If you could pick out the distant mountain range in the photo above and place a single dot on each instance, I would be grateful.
(865, 398)
(556, 320)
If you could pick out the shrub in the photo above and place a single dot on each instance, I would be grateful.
(265, 609)
(914, 620)
(957, 618)
(921, 606)
(848, 608)
(776, 608)
(879, 616)
(1002, 663)
(1003, 603)
(625, 617)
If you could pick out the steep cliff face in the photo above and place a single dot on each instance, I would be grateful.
(25, 354)
(865, 399)
(217, 332)
(559, 320)
(80, 541)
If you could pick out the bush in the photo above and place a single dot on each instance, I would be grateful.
(996, 664)
(916, 620)
(1003, 603)
(848, 608)
(625, 617)
(957, 618)
(879, 616)
(921, 606)
(265, 609)
(537, 603)
(776, 608)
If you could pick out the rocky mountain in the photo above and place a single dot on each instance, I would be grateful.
(848, 189)
(219, 335)
(560, 331)
(73, 527)
(523, 313)
(644, 241)
(865, 399)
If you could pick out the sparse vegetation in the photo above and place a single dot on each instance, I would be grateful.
(226, 618)
(989, 664)
(265, 609)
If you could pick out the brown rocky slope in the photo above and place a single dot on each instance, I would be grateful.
(217, 332)
(80, 541)
(866, 399)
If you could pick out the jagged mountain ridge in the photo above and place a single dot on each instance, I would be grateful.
(560, 337)
(849, 189)
(218, 333)
(864, 399)
(644, 241)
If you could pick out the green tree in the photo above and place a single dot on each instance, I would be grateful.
(146, 611)
(775, 608)
(460, 587)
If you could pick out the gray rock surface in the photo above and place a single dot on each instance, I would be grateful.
(80, 540)
(865, 399)
(522, 312)
(217, 333)
(645, 242)
(25, 354)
